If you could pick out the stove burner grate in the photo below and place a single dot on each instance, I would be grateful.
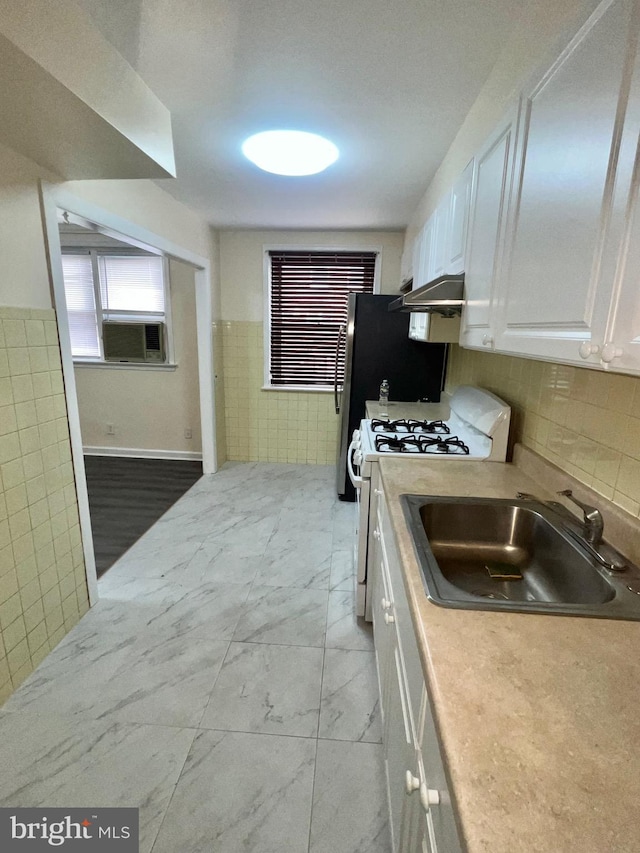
(409, 425)
(421, 444)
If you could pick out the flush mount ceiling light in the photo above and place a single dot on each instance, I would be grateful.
(290, 152)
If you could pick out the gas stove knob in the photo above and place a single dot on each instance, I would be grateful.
(611, 351)
(587, 349)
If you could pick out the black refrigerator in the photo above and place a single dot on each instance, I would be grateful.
(377, 346)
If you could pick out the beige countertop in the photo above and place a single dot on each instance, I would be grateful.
(539, 716)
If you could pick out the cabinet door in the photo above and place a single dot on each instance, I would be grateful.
(419, 830)
(459, 207)
(621, 341)
(559, 286)
(493, 167)
(422, 266)
(417, 258)
(381, 607)
(438, 817)
(440, 239)
(399, 751)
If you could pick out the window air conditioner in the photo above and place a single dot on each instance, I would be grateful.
(134, 342)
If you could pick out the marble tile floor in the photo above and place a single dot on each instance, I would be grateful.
(222, 684)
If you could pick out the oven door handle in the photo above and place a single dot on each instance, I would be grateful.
(357, 481)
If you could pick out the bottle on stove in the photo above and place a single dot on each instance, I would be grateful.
(383, 399)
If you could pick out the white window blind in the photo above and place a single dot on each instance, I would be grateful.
(131, 283)
(81, 305)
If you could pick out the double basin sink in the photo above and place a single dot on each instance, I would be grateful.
(513, 555)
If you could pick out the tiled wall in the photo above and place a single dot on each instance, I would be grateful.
(271, 426)
(42, 577)
(584, 421)
(218, 362)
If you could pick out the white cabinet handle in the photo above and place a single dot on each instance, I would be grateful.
(610, 351)
(587, 349)
(388, 618)
(487, 341)
(377, 491)
(376, 534)
(411, 782)
(385, 604)
(428, 797)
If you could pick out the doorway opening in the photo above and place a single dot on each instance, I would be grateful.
(141, 433)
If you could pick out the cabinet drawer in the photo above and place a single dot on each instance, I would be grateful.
(404, 623)
(441, 816)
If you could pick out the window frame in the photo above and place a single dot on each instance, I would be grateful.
(134, 316)
(266, 261)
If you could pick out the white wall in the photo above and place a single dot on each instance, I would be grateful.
(242, 271)
(149, 409)
(147, 205)
(23, 268)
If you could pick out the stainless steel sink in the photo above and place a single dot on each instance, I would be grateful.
(491, 554)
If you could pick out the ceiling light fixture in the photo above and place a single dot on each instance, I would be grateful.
(290, 152)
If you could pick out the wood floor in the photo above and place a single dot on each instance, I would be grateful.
(127, 496)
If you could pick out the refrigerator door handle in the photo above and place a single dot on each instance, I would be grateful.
(341, 332)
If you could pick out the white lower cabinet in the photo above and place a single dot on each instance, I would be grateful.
(420, 808)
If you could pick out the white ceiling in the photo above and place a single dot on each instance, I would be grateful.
(389, 82)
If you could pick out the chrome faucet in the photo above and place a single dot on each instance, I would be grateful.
(592, 519)
(591, 536)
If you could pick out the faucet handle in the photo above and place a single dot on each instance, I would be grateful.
(592, 517)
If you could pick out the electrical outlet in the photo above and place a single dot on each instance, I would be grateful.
(111, 430)
(188, 433)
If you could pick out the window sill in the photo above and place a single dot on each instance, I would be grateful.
(304, 388)
(122, 365)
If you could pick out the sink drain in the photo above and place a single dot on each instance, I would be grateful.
(495, 595)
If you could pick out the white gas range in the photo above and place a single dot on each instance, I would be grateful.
(476, 428)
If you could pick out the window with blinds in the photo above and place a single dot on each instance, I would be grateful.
(131, 283)
(81, 305)
(308, 293)
(103, 286)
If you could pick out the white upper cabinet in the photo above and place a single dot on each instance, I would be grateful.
(440, 249)
(566, 220)
(440, 239)
(458, 214)
(419, 322)
(620, 343)
(492, 178)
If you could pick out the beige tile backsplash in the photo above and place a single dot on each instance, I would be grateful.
(584, 421)
(270, 426)
(218, 361)
(43, 589)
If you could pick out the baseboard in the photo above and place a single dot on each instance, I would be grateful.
(143, 453)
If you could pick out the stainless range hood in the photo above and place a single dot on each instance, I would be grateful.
(444, 295)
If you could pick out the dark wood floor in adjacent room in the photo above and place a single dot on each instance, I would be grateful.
(127, 496)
